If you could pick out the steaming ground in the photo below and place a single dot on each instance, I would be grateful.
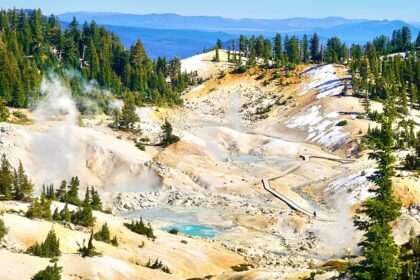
(235, 130)
(56, 148)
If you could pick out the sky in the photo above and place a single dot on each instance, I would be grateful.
(408, 10)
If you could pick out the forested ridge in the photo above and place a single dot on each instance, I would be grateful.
(33, 45)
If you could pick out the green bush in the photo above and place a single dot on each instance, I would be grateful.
(40, 209)
(240, 70)
(89, 250)
(158, 265)
(342, 123)
(20, 115)
(3, 229)
(105, 236)
(140, 228)
(140, 146)
(241, 267)
(49, 273)
(173, 231)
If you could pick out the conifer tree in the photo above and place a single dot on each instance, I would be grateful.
(216, 56)
(6, 179)
(379, 249)
(40, 209)
(278, 49)
(128, 116)
(65, 214)
(48, 249)
(4, 111)
(22, 186)
(56, 215)
(89, 250)
(305, 49)
(105, 236)
(84, 216)
(243, 42)
(96, 202)
(167, 137)
(73, 191)
(314, 47)
(61, 192)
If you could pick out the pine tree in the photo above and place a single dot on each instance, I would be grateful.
(61, 192)
(6, 179)
(89, 250)
(23, 186)
(167, 137)
(216, 56)
(128, 116)
(243, 42)
(379, 249)
(305, 49)
(278, 49)
(40, 209)
(56, 215)
(48, 249)
(73, 191)
(65, 214)
(314, 47)
(96, 202)
(4, 111)
(105, 236)
(84, 215)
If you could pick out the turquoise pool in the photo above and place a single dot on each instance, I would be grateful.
(194, 230)
(185, 221)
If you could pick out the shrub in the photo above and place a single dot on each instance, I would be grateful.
(49, 273)
(158, 265)
(3, 229)
(375, 116)
(240, 70)
(140, 228)
(241, 267)
(89, 250)
(140, 146)
(173, 231)
(260, 76)
(412, 162)
(105, 236)
(20, 115)
(167, 137)
(40, 209)
(342, 123)
(48, 249)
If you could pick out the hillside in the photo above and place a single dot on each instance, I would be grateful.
(208, 185)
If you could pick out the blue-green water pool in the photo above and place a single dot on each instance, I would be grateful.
(194, 230)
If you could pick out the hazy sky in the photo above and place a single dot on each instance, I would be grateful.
(408, 10)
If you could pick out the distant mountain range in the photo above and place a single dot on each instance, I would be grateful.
(175, 35)
(174, 21)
